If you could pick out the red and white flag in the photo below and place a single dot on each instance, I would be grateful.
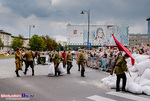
(122, 48)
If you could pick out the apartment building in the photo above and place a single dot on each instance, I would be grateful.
(137, 39)
(6, 39)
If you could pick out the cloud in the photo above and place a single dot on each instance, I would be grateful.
(51, 17)
(60, 38)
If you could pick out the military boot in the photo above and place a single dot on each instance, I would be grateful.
(32, 72)
(82, 73)
(25, 71)
(17, 74)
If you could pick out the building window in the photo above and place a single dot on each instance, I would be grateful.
(3, 36)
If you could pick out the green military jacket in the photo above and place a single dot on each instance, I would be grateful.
(18, 57)
(68, 57)
(29, 55)
(81, 57)
(23, 51)
(50, 55)
(120, 66)
(57, 58)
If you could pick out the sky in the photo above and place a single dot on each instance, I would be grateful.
(50, 17)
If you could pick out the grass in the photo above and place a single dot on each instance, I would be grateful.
(7, 57)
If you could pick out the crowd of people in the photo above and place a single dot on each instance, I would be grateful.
(103, 58)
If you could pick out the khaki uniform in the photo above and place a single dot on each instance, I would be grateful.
(120, 68)
(50, 57)
(68, 59)
(29, 61)
(18, 60)
(23, 59)
(57, 59)
(82, 60)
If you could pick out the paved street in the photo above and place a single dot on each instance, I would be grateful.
(63, 88)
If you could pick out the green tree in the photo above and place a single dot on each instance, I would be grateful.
(16, 42)
(55, 45)
(60, 47)
(50, 43)
(1, 44)
(66, 47)
(36, 43)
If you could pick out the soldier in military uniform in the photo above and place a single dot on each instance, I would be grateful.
(57, 59)
(120, 68)
(82, 59)
(50, 57)
(68, 60)
(29, 55)
(79, 62)
(18, 61)
(23, 52)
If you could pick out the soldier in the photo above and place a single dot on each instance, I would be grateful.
(120, 68)
(57, 59)
(68, 60)
(23, 52)
(18, 61)
(82, 59)
(50, 57)
(29, 60)
(79, 62)
(63, 56)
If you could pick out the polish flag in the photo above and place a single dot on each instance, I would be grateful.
(122, 48)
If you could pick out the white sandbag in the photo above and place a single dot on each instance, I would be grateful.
(129, 64)
(128, 60)
(104, 79)
(61, 69)
(135, 55)
(47, 58)
(137, 80)
(146, 90)
(142, 66)
(51, 70)
(112, 85)
(146, 74)
(134, 88)
(144, 82)
(112, 78)
(35, 61)
(141, 58)
(133, 69)
(133, 76)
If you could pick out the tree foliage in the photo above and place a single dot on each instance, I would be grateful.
(16, 42)
(1, 44)
(60, 47)
(49, 43)
(36, 43)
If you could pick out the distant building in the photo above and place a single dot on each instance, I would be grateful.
(148, 19)
(6, 39)
(63, 43)
(137, 39)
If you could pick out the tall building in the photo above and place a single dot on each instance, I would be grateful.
(148, 19)
(6, 39)
(137, 39)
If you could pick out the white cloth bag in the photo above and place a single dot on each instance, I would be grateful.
(51, 70)
(61, 69)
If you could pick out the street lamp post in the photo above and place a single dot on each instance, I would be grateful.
(88, 13)
(30, 29)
